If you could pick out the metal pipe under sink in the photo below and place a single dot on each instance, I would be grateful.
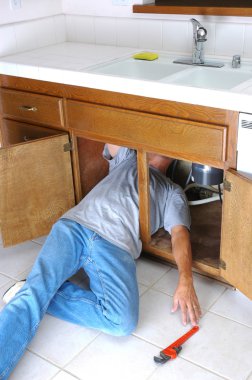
(199, 38)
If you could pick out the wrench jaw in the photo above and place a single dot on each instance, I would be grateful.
(166, 355)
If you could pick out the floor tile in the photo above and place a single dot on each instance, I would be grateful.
(149, 271)
(16, 259)
(181, 369)
(222, 346)
(31, 367)
(250, 377)
(62, 375)
(157, 324)
(60, 341)
(3, 280)
(113, 358)
(3, 289)
(40, 240)
(208, 290)
(142, 289)
(234, 305)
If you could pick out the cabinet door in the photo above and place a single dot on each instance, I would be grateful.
(236, 234)
(36, 187)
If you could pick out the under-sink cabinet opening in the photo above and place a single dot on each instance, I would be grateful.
(205, 216)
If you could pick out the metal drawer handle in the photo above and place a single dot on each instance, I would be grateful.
(28, 108)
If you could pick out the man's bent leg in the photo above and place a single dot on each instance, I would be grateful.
(59, 259)
(111, 305)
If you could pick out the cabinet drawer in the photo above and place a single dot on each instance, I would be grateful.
(42, 109)
(194, 141)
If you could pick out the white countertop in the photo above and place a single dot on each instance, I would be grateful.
(69, 63)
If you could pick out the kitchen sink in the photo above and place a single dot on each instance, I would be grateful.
(140, 69)
(165, 71)
(210, 78)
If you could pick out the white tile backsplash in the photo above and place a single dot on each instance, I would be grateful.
(105, 30)
(8, 43)
(60, 28)
(127, 32)
(177, 36)
(229, 39)
(248, 41)
(156, 33)
(150, 34)
(80, 29)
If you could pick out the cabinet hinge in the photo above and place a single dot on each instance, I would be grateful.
(223, 264)
(227, 185)
(68, 146)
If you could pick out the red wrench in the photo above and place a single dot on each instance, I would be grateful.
(172, 351)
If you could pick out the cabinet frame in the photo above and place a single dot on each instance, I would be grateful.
(133, 105)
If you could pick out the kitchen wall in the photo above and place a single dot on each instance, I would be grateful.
(101, 22)
(31, 9)
(44, 22)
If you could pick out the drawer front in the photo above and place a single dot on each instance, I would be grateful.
(46, 110)
(178, 138)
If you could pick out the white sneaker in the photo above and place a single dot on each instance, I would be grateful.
(11, 292)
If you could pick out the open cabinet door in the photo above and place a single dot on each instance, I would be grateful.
(236, 234)
(36, 187)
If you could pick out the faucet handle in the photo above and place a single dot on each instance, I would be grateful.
(201, 34)
(236, 61)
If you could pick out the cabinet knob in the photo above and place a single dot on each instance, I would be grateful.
(28, 108)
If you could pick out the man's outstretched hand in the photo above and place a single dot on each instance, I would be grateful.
(186, 299)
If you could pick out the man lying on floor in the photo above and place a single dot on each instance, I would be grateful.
(100, 235)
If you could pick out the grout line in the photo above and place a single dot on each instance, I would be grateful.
(99, 333)
(44, 358)
(217, 299)
(229, 319)
(155, 370)
(249, 376)
(69, 373)
(66, 364)
(206, 369)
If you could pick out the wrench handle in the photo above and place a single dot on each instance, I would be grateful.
(181, 340)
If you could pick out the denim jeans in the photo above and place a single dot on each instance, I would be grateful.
(110, 305)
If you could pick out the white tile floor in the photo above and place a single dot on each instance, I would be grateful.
(222, 349)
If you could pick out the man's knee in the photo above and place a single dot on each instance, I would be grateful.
(127, 325)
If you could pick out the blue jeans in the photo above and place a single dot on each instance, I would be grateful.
(111, 305)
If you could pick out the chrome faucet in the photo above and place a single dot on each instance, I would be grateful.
(199, 37)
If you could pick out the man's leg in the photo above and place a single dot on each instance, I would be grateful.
(59, 259)
(111, 305)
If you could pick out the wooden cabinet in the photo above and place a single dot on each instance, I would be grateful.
(93, 117)
(35, 167)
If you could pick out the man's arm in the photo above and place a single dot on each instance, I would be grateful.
(185, 295)
(113, 149)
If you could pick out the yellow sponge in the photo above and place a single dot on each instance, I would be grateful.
(147, 56)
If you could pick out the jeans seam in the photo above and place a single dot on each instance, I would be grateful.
(91, 246)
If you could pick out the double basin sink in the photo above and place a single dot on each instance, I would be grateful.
(165, 71)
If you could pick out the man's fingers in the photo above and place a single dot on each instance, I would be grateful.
(175, 305)
(184, 312)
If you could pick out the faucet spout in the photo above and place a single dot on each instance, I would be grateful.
(199, 37)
